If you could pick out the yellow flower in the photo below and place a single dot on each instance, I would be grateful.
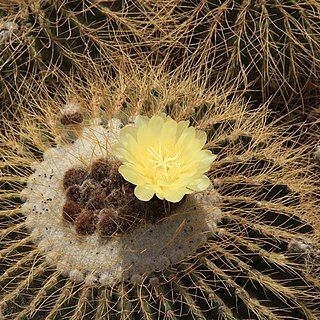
(163, 157)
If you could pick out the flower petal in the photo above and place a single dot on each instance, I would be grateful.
(140, 120)
(128, 130)
(143, 193)
(187, 136)
(131, 175)
(201, 136)
(168, 132)
(148, 134)
(118, 152)
(181, 127)
(201, 184)
(174, 195)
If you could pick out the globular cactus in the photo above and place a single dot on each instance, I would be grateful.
(46, 38)
(246, 248)
(273, 44)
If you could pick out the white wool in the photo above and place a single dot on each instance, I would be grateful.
(7, 30)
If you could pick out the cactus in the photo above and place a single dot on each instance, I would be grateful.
(58, 33)
(46, 38)
(260, 262)
(273, 44)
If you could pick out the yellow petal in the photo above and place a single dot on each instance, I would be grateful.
(181, 127)
(132, 146)
(140, 120)
(191, 148)
(124, 155)
(128, 130)
(159, 195)
(187, 136)
(201, 184)
(206, 158)
(149, 135)
(155, 124)
(143, 193)
(200, 161)
(174, 195)
(201, 136)
(168, 132)
(131, 175)
(118, 152)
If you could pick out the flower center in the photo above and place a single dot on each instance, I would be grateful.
(164, 161)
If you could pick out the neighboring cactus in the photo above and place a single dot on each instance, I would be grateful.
(51, 37)
(58, 33)
(261, 262)
(274, 44)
